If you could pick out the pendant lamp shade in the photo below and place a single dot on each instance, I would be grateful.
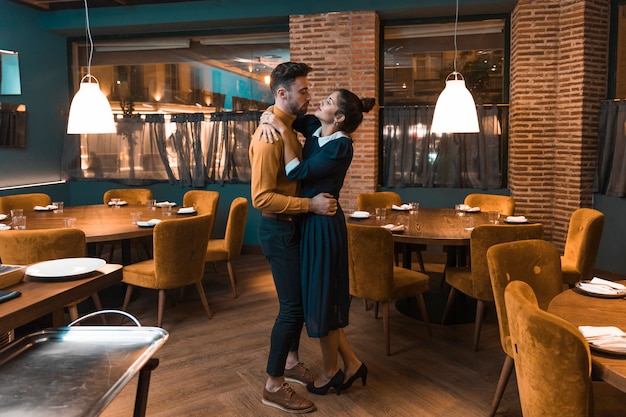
(90, 111)
(455, 111)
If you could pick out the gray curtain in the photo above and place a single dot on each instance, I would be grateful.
(413, 157)
(610, 178)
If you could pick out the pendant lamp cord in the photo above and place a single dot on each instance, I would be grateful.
(91, 40)
(456, 21)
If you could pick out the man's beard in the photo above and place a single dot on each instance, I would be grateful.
(298, 111)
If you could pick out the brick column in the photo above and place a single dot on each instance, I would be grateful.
(558, 78)
(343, 49)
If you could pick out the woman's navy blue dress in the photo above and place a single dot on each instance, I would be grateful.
(324, 244)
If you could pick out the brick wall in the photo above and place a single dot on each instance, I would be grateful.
(558, 78)
(343, 48)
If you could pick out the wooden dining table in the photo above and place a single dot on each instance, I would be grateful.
(100, 222)
(431, 226)
(583, 310)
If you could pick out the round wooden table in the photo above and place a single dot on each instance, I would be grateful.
(583, 310)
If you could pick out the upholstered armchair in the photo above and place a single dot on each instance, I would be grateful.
(179, 249)
(474, 280)
(553, 363)
(371, 201)
(374, 276)
(229, 247)
(25, 247)
(25, 202)
(130, 195)
(492, 202)
(581, 246)
(536, 262)
(205, 202)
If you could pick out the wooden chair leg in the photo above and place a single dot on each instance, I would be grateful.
(376, 304)
(448, 307)
(386, 328)
(233, 278)
(73, 310)
(480, 313)
(205, 303)
(160, 308)
(95, 297)
(366, 304)
(505, 375)
(420, 260)
(422, 306)
(129, 293)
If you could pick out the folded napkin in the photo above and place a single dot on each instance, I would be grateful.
(361, 214)
(4, 226)
(3, 216)
(597, 289)
(608, 337)
(165, 203)
(151, 222)
(600, 281)
(186, 210)
(119, 203)
(48, 207)
(401, 207)
(516, 219)
(394, 227)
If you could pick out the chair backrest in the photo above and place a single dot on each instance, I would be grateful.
(25, 202)
(130, 195)
(485, 236)
(583, 240)
(536, 262)
(552, 359)
(179, 247)
(204, 201)
(24, 247)
(236, 226)
(371, 262)
(492, 202)
(371, 201)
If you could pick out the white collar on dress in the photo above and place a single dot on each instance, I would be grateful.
(325, 139)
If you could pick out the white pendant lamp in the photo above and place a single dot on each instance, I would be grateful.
(90, 111)
(455, 111)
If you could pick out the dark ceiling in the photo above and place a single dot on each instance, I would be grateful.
(80, 4)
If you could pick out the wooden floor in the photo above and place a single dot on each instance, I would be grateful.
(217, 367)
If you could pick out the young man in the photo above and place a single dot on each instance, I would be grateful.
(279, 233)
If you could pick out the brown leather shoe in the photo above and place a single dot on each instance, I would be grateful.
(287, 400)
(300, 374)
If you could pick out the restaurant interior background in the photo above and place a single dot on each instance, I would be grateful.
(540, 138)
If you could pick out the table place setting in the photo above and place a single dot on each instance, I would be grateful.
(5, 226)
(166, 203)
(394, 228)
(467, 209)
(186, 210)
(516, 219)
(148, 223)
(609, 339)
(598, 287)
(116, 202)
(360, 215)
(3, 216)
(49, 207)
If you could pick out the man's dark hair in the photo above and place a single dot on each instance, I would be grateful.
(285, 74)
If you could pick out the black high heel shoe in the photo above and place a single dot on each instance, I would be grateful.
(360, 373)
(335, 382)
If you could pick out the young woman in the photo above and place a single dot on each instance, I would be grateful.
(326, 156)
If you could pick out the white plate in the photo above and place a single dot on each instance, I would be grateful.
(598, 290)
(165, 203)
(186, 210)
(149, 223)
(66, 267)
(3, 216)
(119, 203)
(360, 215)
(516, 219)
(4, 226)
(45, 208)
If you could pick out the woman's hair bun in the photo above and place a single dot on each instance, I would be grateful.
(367, 103)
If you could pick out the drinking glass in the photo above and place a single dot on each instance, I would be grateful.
(166, 210)
(151, 205)
(381, 215)
(19, 222)
(16, 213)
(59, 207)
(135, 217)
(494, 217)
(458, 210)
(69, 222)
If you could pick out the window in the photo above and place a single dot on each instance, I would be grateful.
(185, 107)
(417, 59)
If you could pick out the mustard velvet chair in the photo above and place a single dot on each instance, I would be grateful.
(374, 276)
(26, 202)
(581, 246)
(130, 195)
(553, 363)
(25, 247)
(473, 280)
(536, 262)
(205, 202)
(492, 202)
(229, 247)
(370, 201)
(179, 249)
